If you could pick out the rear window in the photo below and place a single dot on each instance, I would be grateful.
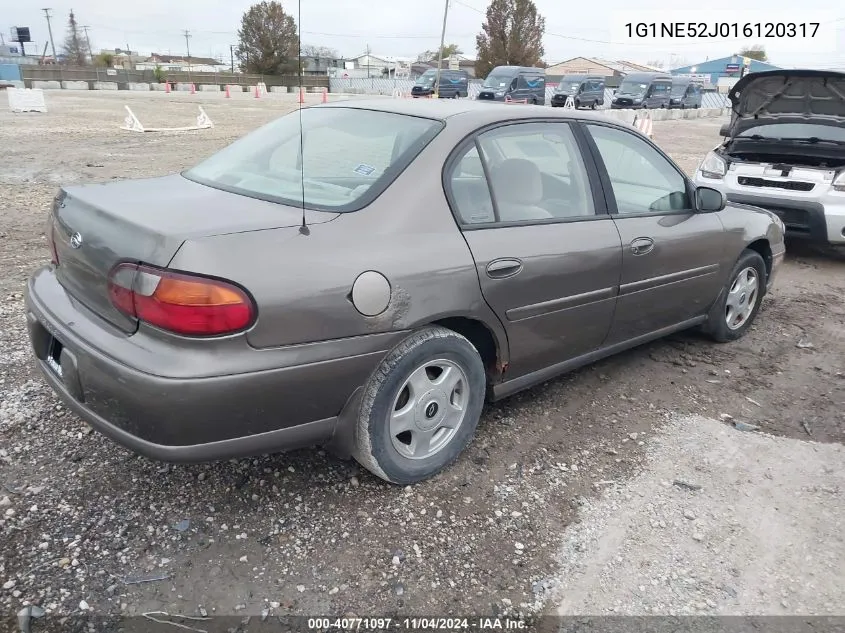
(339, 159)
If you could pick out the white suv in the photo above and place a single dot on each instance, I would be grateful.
(784, 150)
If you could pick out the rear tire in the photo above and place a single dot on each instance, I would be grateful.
(413, 421)
(740, 299)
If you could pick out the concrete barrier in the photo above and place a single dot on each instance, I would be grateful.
(16, 83)
(105, 85)
(158, 87)
(184, 87)
(279, 89)
(75, 85)
(138, 86)
(236, 88)
(46, 85)
(209, 88)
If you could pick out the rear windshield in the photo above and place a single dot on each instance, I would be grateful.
(342, 159)
(678, 90)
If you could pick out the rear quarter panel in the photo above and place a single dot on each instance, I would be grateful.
(302, 285)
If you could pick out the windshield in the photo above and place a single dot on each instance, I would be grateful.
(634, 88)
(427, 78)
(499, 82)
(349, 156)
(809, 132)
(568, 86)
(679, 90)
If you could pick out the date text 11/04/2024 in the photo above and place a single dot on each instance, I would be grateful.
(416, 624)
(722, 29)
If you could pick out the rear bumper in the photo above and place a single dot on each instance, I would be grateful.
(228, 411)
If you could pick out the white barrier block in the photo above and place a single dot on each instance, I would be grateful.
(209, 88)
(183, 87)
(158, 87)
(139, 86)
(105, 85)
(46, 85)
(75, 85)
(236, 88)
(278, 89)
(26, 100)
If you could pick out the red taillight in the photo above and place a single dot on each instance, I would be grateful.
(180, 303)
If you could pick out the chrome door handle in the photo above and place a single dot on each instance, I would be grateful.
(642, 245)
(505, 267)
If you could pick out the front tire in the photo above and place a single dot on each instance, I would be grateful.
(421, 406)
(739, 302)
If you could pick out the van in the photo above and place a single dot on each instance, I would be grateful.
(643, 90)
(453, 84)
(515, 83)
(587, 91)
(685, 93)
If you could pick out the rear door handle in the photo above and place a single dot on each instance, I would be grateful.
(505, 267)
(642, 245)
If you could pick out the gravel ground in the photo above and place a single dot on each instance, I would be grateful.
(83, 520)
(727, 522)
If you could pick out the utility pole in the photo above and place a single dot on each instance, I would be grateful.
(232, 56)
(188, 47)
(88, 41)
(368, 61)
(440, 56)
(50, 31)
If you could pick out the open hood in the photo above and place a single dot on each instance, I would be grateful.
(787, 96)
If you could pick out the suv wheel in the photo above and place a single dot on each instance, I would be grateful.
(738, 304)
(420, 407)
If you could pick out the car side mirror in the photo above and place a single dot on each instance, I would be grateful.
(725, 130)
(708, 200)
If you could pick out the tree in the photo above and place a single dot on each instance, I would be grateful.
(433, 56)
(323, 52)
(269, 43)
(74, 48)
(512, 34)
(755, 52)
(104, 60)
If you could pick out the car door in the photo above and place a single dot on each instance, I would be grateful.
(547, 254)
(670, 253)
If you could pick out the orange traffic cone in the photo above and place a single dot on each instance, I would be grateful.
(301, 96)
(257, 92)
(228, 95)
(193, 89)
(325, 96)
(167, 87)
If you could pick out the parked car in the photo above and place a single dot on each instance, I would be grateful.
(453, 84)
(287, 291)
(515, 83)
(587, 91)
(784, 150)
(685, 94)
(643, 90)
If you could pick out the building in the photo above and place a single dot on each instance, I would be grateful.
(463, 63)
(370, 65)
(612, 71)
(722, 73)
(181, 63)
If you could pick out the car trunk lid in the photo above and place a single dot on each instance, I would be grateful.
(95, 227)
(787, 96)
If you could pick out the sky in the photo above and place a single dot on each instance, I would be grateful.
(408, 27)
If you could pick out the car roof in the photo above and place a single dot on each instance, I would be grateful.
(442, 109)
(641, 76)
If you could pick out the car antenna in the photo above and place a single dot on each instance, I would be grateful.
(303, 229)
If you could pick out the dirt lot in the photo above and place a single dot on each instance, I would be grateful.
(303, 533)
